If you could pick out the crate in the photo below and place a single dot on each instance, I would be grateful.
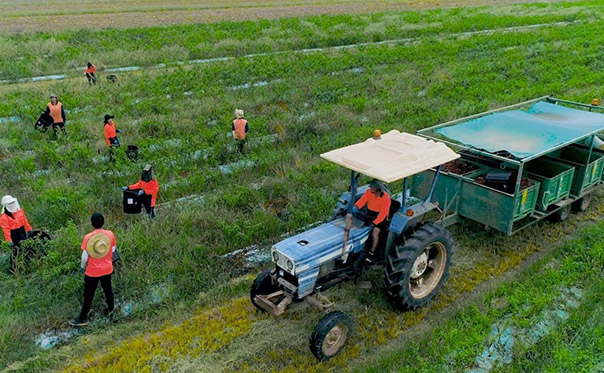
(131, 202)
(587, 173)
(556, 179)
(526, 199)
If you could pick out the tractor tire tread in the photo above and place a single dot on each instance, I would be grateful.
(323, 327)
(402, 259)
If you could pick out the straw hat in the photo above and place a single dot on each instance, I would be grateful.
(238, 113)
(98, 245)
(10, 203)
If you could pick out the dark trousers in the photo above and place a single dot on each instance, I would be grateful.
(146, 201)
(91, 78)
(16, 236)
(240, 144)
(90, 285)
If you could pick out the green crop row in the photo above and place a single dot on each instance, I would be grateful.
(27, 55)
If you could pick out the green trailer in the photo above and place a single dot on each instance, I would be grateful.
(547, 149)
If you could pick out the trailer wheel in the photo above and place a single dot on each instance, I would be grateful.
(416, 269)
(264, 284)
(582, 204)
(561, 215)
(330, 335)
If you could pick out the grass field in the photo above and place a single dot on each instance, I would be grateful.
(182, 304)
(42, 15)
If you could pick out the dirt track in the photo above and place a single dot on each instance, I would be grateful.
(20, 16)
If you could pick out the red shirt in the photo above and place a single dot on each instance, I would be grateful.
(109, 132)
(17, 221)
(98, 267)
(91, 69)
(380, 204)
(149, 187)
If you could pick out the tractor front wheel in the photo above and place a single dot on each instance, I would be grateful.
(330, 335)
(416, 269)
(264, 284)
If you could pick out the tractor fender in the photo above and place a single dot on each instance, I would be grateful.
(401, 220)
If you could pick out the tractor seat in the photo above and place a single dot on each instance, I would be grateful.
(394, 206)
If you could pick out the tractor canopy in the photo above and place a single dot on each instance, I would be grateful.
(393, 156)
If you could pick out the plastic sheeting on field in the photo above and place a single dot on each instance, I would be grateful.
(525, 133)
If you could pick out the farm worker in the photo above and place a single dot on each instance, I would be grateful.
(378, 206)
(55, 109)
(15, 226)
(90, 70)
(111, 132)
(148, 188)
(240, 128)
(97, 251)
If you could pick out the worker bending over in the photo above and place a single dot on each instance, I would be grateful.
(378, 207)
(97, 247)
(90, 70)
(111, 132)
(15, 226)
(55, 109)
(240, 128)
(148, 188)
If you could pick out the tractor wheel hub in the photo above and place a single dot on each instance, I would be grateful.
(420, 265)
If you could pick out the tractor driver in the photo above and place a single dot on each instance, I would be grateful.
(378, 206)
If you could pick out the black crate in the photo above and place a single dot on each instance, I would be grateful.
(504, 181)
(131, 202)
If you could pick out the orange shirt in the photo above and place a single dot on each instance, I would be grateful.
(381, 205)
(55, 112)
(17, 221)
(149, 187)
(239, 125)
(98, 267)
(91, 69)
(109, 132)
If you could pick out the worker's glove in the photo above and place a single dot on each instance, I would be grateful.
(124, 188)
(355, 210)
(11, 244)
(118, 131)
(140, 192)
(82, 270)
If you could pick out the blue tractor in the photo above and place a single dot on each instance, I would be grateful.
(415, 253)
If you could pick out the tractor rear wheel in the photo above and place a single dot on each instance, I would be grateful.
(264, 284)
(582, 204)
(416, 269)
(330, 335)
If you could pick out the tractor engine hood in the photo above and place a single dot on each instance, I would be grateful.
(312, 248)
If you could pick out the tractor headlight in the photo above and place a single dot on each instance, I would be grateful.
(275, 256)
(289, 264)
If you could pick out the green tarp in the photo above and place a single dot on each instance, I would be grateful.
(525, 133)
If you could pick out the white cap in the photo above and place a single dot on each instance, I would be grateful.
(10, 203)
